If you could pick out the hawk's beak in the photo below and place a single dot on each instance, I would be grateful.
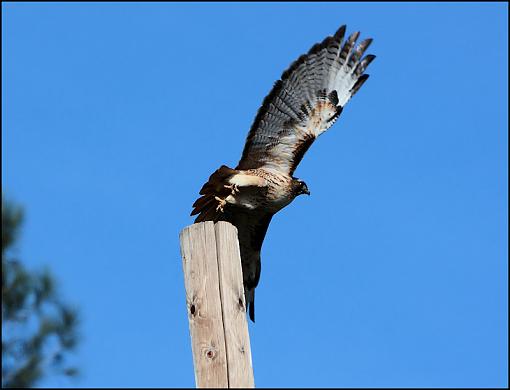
(305, 191)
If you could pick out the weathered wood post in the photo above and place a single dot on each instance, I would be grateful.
(216, 305)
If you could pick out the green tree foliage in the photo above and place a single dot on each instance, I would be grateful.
(38, 330)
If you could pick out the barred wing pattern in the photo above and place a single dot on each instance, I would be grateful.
(305, 102)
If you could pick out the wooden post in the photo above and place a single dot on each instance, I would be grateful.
(216, 305)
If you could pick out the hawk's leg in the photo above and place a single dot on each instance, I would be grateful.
(229, 199)
(221, 205)
(223, 202)
(233, 187)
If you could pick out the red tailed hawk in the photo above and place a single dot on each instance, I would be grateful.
(304, 103)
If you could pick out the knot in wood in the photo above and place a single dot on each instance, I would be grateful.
(210, 353)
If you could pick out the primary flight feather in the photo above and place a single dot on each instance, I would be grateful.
(304, 103)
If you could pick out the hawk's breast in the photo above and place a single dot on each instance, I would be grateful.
(276, 195)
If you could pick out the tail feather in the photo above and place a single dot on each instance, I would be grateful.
(249, 294)
(252, 309)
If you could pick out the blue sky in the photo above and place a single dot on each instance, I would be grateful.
(392, 273)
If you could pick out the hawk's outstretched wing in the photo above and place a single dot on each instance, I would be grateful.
(305, 102)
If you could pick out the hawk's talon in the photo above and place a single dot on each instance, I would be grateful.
(222, 204)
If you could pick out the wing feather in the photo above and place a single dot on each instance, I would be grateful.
(305, 102)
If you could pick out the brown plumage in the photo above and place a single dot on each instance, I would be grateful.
(305, 102)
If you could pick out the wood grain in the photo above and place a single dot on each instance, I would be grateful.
(198, 250)
(233, 304)
(216, 305)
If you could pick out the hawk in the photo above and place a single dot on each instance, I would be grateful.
(304, 103)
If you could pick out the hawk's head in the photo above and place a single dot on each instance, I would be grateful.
(299, 187)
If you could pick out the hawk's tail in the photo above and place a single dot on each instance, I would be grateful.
(249, 295)
(206, 205)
